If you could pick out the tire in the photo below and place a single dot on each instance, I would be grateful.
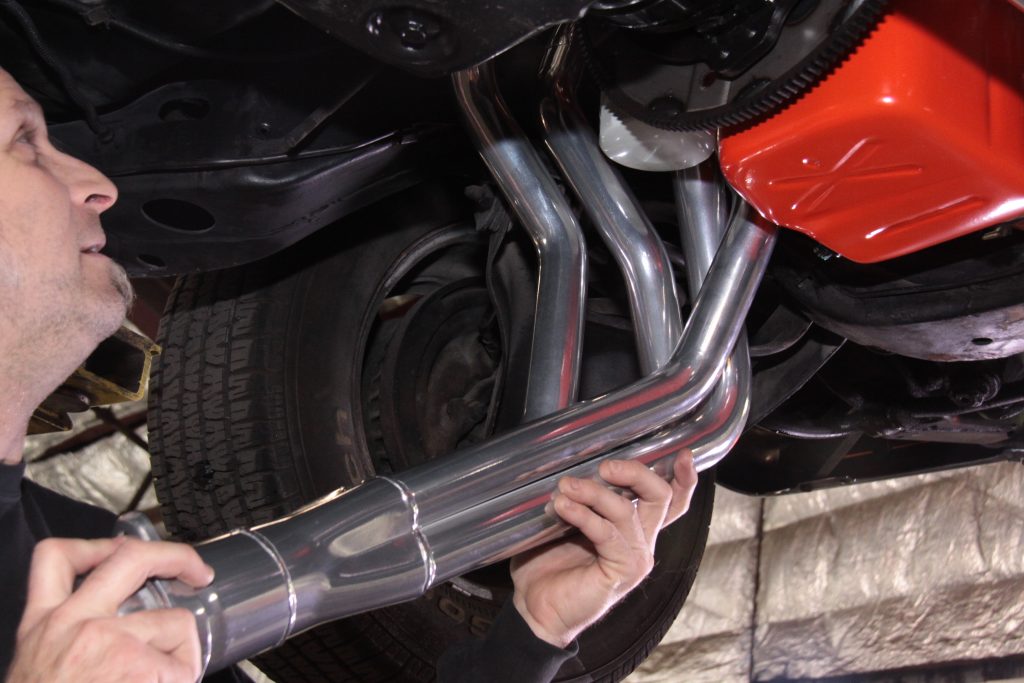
(268, 394)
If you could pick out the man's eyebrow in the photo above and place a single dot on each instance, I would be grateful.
(25, 112)
(30, 111)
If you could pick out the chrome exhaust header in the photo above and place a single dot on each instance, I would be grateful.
(548, 218)
(390, 539)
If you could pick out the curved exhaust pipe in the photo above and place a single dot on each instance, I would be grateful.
(614, 211)
(635, 244)
(548, 218)
(390, 539)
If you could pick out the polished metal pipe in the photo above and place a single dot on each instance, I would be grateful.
(615, 212)
(520, 520)
(629, 235)
(366, 548)
(702, 210)
(517, 521)
(547, 217)
(702, 202)
(391, 538)
(502, 464)
(582, 431)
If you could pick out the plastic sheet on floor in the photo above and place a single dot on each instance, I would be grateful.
(106, 473)
(872, 577)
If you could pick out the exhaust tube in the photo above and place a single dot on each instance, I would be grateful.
(701, 197)
(551, 223)
(614, 211)
(390, 539)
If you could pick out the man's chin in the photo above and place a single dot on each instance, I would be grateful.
(123, 286)
(112, 305)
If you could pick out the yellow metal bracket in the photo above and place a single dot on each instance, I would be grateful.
(117, 371)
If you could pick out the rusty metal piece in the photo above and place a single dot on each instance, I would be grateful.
(116, 372)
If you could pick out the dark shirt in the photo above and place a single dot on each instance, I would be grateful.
(510, 653)
(30, 513)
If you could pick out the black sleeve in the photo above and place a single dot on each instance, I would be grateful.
(63, 517)
(28, 514)
(510, 652)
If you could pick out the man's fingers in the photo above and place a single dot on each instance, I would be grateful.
(612, 522)
(684, 481)
(56, 562)
(653, 493)
(608, 542)
(171, 631)
(124, 572)
(605, 502)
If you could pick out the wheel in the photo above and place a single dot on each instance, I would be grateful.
(368, 348)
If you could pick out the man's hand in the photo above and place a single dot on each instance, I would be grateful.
(564, 587)
(69, 634)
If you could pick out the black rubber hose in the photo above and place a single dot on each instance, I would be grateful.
(27, 25)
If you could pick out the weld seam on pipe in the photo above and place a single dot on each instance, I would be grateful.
(293, 601)
(426, 552)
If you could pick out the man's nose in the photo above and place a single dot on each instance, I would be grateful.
(89, 187)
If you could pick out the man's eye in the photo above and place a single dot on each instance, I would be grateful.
(26, 136)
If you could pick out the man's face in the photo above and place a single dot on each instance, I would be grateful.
(59, 297)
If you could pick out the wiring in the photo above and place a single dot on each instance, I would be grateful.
(28, 26)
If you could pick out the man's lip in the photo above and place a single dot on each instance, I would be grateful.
(94, 239)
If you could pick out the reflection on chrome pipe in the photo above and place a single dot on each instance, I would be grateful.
(390, 539)
(518, 521)
(551, 444)
(712, 433)
(614, 211)
(551, 223)
(701, 207)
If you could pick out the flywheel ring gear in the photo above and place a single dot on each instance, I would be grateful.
(682, 97)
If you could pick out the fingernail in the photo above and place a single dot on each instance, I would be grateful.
(211, 573)
(573, 483)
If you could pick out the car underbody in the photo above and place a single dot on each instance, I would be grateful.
(408, 271)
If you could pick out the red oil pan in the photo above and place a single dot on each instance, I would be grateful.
(915, 139)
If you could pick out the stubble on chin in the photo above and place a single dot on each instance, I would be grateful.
(119, 279)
